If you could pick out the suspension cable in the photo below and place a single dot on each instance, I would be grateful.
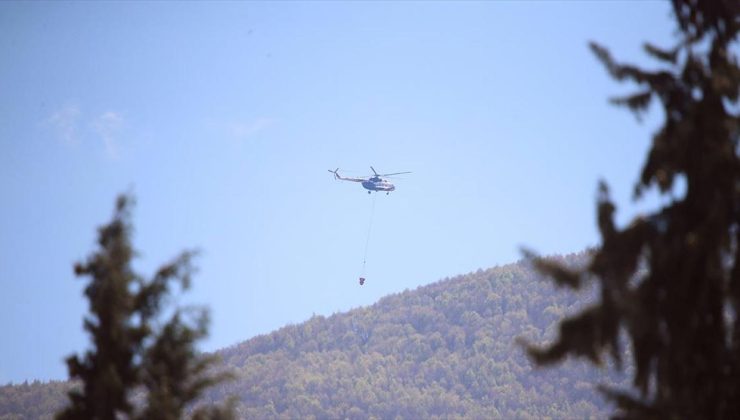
(367, 240)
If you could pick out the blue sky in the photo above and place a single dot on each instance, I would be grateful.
(222, 119)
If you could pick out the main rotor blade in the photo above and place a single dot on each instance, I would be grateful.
(395, 173)
(374, 171)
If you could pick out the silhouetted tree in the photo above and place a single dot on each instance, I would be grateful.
(129, 354)
(671, 279)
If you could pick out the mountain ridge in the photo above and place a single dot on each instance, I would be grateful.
(445, 349)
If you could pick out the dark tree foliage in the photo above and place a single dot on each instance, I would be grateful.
(130, 353)
(671, 280)
(175, 375)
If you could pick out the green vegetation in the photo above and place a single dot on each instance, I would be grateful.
(129, 354)
(33, 400)
(671, 279)
(444, 350)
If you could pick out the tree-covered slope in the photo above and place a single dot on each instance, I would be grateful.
(447, 349)
(443, 350)
(34, 400)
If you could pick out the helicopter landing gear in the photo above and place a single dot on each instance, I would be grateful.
(388, 193)
(369, 192)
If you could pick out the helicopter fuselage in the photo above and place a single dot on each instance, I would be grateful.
(378, 184)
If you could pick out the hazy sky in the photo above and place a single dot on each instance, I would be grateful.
(222, 119)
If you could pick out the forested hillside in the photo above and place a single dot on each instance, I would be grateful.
(443, 350)
(35, 400)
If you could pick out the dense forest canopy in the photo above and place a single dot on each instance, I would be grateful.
(440, 351)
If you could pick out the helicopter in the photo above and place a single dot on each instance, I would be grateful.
(371, 182)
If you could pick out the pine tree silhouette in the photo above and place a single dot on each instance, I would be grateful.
(671, 280)
(129, 354)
